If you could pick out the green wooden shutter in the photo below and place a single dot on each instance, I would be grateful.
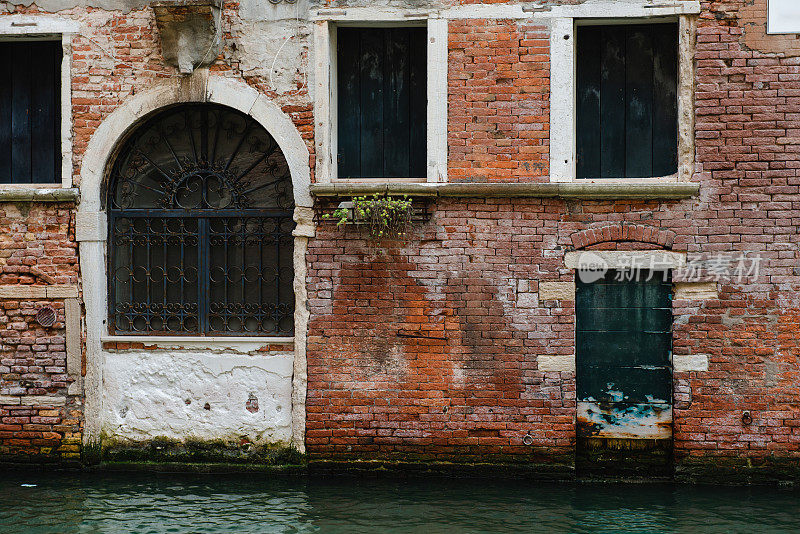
(382, 102)
(30, 112)
(627, 104)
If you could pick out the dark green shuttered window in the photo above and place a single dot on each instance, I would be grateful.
(30, 117)
(627, 104)
(382, 102)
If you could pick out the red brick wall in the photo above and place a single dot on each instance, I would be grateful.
(33, 363)
(37, 248)
(498, 101)
(748, 106)
(399, 334)
(429, 350)
(37, 244)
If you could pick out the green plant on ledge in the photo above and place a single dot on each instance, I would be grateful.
(381, 215)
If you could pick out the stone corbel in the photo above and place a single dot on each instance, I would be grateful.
(190, 31)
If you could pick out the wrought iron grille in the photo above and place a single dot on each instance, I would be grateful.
(200, 222)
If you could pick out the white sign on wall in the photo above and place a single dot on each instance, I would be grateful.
(783, 16)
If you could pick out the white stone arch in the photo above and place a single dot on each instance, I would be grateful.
(224, 91)
(91, 223)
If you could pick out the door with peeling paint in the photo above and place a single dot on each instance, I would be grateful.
(624, 370)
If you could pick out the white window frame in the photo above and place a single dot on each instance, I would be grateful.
(773, 11)
(326, 23)
(563, 129)
(45, 27)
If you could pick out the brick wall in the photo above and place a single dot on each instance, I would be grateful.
(115, 55)
(498, 101)
(38, 420)
(118, 54)
(431, 348)
(747, 104)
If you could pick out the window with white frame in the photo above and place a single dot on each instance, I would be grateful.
(783, 16)
(30, 112)
(380, 96)
(36, 103)
(572, 58)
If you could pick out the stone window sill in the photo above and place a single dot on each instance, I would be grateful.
(244, 343)
(39, 193)
(576, 190)
(198, 339)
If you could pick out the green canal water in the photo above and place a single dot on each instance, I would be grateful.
(36, 503)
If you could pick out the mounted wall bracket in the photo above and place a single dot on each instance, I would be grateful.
(191, 33)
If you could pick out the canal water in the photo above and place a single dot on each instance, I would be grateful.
(139, 503)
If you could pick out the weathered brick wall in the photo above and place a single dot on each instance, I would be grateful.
(498, 101)
(115, 55)
(35, 422)
(118, 54)
(37, 244)
(452, 320)
(747, 104)
(430, 349)
(38, 420)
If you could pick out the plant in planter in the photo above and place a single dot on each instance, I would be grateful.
(380, 215)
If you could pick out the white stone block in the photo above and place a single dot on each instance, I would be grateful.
(690, 362)
(558, 363)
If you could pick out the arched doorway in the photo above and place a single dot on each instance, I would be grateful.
(200, 207)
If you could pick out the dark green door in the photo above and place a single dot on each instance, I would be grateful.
(624, 362)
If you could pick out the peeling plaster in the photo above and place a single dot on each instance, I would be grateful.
(150, 394)
(265, 10)
(275, 51)
(250, 9)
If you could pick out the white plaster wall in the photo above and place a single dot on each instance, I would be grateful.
(146, 394)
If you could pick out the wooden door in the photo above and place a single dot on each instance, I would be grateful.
(624, 366)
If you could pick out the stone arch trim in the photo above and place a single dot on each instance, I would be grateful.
(199, 88)
(621, 232)
(91, 225)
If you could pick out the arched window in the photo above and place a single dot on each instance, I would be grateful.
(200, 221)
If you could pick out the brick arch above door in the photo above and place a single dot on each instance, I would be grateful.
(621, 236)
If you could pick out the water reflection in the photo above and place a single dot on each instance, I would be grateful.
(265, 504)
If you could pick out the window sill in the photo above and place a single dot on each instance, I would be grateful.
(379, 181)
(38, 193)
(250, 344)
(670, 178)
(589, 190)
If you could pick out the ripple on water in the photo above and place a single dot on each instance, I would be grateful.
(248, 503)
